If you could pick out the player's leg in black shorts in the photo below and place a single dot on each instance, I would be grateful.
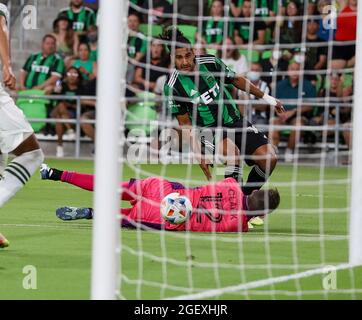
(259, 154)
(257, 151)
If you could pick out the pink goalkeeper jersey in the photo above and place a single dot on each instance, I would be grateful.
(218, 207)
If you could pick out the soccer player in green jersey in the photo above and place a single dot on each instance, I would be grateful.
(197, 93)
(16, 134)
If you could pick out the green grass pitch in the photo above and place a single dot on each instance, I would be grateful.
(172, 263)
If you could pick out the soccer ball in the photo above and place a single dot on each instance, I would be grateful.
(175, 209)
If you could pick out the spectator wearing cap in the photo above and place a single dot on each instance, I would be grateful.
(289, 88)
(42, 70)
(67, 40)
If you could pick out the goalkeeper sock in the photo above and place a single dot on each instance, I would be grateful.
(55, 174)
(257, 177)
(18, 172)
(233, 172)
(81, 180)
(3, 163)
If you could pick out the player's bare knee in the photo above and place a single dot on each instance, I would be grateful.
(269, 161)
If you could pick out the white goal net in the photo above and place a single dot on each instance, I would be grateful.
(305, 54)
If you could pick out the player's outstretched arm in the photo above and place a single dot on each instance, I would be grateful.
(244, 84)
(8, 75)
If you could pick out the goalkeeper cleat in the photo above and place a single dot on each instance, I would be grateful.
(256, 221)
(3, 242)
(45, 171)
(73, 213)
(250, 226)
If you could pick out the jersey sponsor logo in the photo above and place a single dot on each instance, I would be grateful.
(131, 50)
(261, 11)
(208, 96)
(216, 198)
(213, 31)
(78, 26)
(40, 69)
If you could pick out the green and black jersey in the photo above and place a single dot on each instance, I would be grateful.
(135, 45)
(203, 95)
(262, 7)
(82, 20)
(40, 68)
(215, 31)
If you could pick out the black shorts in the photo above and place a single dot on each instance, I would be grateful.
(246, 144)
(344, 52)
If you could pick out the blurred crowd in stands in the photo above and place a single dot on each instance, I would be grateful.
(292, 49)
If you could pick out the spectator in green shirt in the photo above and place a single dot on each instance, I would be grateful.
(213, 30)
(42, 70)
(242, 30)
(136, 47)
(86, 66)
(82, 17)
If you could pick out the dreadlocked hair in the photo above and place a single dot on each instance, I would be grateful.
(174, 38)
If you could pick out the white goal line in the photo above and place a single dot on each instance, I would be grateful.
(259, 283)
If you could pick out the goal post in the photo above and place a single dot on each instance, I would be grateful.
(355, 248)
(110, 88)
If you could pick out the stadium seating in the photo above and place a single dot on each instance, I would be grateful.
(33, 108)
(189, 32)
(143, 112)
(155, 30)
